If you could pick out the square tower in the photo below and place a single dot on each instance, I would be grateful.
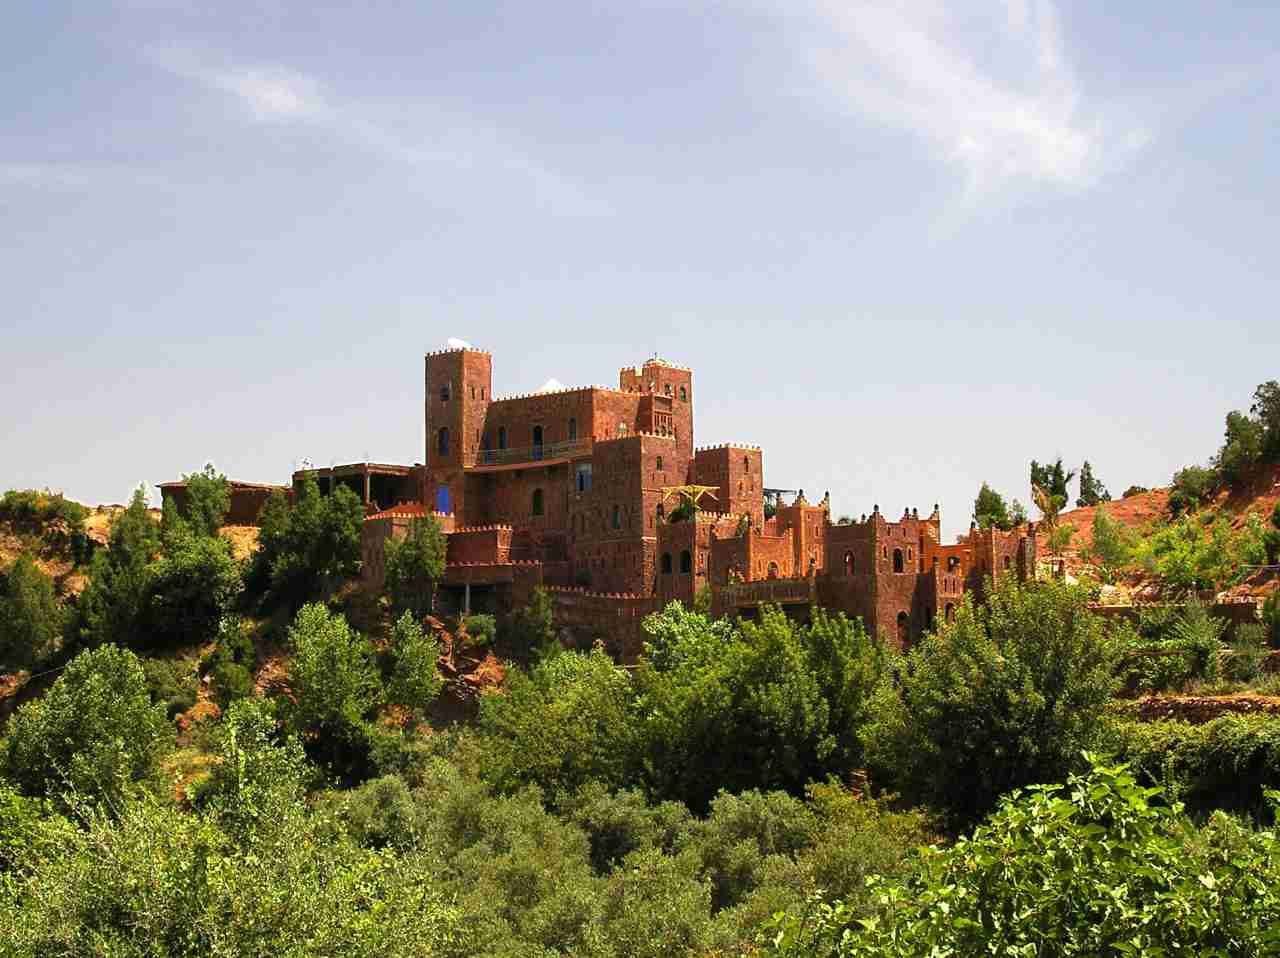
(459, 384)
(661, 378)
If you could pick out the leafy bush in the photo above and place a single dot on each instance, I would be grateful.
(1248, 652)
(1194, 553)
(208, 500)
(1225, 763)
(480, 629)
(172, 683)
(1271, 616)
(92, 733)
(31, 620)
(1134, 491)
(58, 521)
(413, 566)
(618, 823)
(1191, 487)
(1005, 696)
(233, 662)
(1092, 867)
(1112, 545)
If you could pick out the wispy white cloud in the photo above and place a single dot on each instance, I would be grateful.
(422, 137)
(994, 94)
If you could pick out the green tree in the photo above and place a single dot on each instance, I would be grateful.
(1134, 491)
(1242, 448)
(208, 500)
(564, 723)
(1060, 537)
(1005, 696)
(1053, 479)
(849, 665)
(1092, 491)
(414, 565)
(1112, 545)
(113, 603)
(530, 629)
(1266, 410)
(308, 546)
(31, 620)
(990, 509)
(739, 711)
(189, 590)
(1271, 538)
(333, 677)
(94, 731)
(415, 683)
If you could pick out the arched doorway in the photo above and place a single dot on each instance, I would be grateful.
(897, 560)
(904, 629)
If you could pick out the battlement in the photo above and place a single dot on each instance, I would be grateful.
(461, 349)
(731, 446)
(587, 593)
(497, 527)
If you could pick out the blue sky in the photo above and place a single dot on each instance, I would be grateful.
(906, 247)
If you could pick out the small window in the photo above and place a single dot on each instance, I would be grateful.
(667, 389)
(746, 463)
(584, 477)
(573, 429)
(661, 511)
(684, 394)
(442, 441)
(898, 565)
(659, 463)
(537, 502)
(481, 392)
(1007, 563)
(502, 437)
(444, 393)
(622, 429)
(666, 563)
(686, 562)
(949, 613)
(848, 563)
(473, 392)
(617, 517)
(773, 570)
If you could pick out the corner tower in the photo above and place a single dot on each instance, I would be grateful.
(459, 385)
(661, 378)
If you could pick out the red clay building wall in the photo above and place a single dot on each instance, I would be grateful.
(737, 472)
(664, 379)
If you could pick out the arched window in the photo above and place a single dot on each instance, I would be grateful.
(659, 463)
(502, 437)
(537, 442)
(617, 517)
(684, 394)
(910, 554)
(573, 429)
(848, 563)
(667, 389)
(746, 463)
(904, 629)
(442, 441)
(444, 393)
(949, 613)
(686, 561)
(473, 392)
(1006, 563)
(897, 560)
(773, 570)
(662, 511)
(537, 502)
(666, 563)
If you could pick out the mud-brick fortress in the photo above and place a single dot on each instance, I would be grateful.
(574, 491)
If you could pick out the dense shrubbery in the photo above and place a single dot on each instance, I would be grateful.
(414, 564)
(31, 620)
(1004, 697)
(1090, 868)
(93, 733)
(57, 520)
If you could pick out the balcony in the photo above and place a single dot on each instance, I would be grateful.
(547, 452)
(773, 591)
